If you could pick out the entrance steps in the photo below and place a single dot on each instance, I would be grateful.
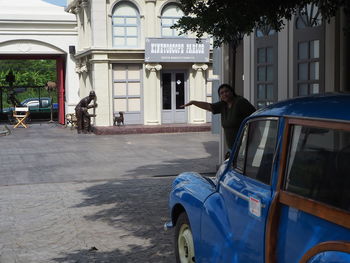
(164, 128)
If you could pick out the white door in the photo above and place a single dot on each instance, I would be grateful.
(173, 96)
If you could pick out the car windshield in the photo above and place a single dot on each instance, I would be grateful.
(34, 102)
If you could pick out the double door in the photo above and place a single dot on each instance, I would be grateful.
(173, 85)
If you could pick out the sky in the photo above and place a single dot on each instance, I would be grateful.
(57, 2)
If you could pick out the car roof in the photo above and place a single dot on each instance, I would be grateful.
(322, 106)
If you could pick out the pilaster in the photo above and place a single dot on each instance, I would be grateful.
(86, 9)
(101, 83)
(151, 18)
(198, 92)
(77, 12)
(152, 109)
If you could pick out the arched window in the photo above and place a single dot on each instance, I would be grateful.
(170, 15)
(309, 16)
(125, 23)
(264, 31)
(309, 52)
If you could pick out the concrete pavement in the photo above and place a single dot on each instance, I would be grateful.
(66, 197)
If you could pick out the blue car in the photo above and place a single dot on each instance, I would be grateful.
(282, 196)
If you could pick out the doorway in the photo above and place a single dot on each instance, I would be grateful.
(37, 91)
(173, 84)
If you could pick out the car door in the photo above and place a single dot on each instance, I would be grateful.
(314, 196)
(235, 217)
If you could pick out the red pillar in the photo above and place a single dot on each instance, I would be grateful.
(60, 85)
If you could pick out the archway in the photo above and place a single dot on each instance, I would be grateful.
(60, 73)
(25, 49)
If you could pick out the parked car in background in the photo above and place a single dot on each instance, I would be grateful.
(37, 108)
(282, 196)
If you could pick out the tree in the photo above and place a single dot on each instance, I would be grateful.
(229, 20)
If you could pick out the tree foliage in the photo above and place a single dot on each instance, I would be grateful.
(32, 74)
(28, 72)
(229, 20)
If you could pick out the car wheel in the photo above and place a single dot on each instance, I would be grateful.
(184, 247)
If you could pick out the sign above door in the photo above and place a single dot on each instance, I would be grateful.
(177, 50)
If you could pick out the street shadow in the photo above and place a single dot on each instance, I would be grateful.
(138, 206)
(136, 254)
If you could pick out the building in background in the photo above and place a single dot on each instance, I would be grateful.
(309, 56)
(136, 63)
(34, 29)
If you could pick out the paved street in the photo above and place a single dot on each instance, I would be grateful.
(66, 197)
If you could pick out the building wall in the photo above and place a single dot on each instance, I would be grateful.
(138, 94)
(326, 78)
(49, 31)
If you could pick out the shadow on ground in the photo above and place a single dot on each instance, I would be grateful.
(140, 207)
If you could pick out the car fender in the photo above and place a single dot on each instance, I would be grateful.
(328, 252)
(330, 257)
(189, 192)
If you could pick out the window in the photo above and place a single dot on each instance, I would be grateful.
(125, 24)
(308, 46)
(44, 103)
(265, 31)
(318, 165)
(309, 16)
(170, 15)
(256, 150)
(266, 66)
(34, 103)
(127, 91)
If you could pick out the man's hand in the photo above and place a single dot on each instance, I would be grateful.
(187, 104)
(92, 106)
(200, 104)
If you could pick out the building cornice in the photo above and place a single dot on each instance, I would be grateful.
(92, 51)
(30, 21)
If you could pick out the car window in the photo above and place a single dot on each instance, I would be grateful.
(319, 165)
(238, 164)
(33, 103)
(257, 146)
(44, 103)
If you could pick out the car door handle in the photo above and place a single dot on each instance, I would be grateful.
(238, 194)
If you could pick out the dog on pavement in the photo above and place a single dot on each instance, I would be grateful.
(118, 120)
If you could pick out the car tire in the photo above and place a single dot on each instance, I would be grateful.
(184, 246)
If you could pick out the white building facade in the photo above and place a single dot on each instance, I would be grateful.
(309, 56)
(33, 29)
(137, 64)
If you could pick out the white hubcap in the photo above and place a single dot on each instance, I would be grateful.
(185, 245)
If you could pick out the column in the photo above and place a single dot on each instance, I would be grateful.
(86, 37)
(150, 18)
(60, 82)
(198, 92)
(152, 109)
(77, 13)
(102, 85)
